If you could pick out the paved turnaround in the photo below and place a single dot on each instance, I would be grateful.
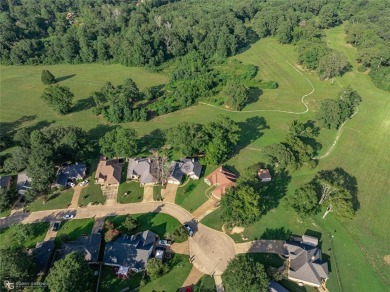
(211, 250)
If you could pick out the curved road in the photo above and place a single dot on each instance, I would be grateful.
(210, 249)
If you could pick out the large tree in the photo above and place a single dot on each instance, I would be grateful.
(332, 113)
(224, 133)
(156, 268)
(15, 264)
(59, 98)
(188, 138)
(245, 274)
(332, 65)
(70, 274)
(279, 155)
(119, 142)
(240, 205)
(236, 94)
(304, 200)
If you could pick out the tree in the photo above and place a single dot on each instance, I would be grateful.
(328, 16)
(332, 65)
(332, 113)
(59, 98)
(279, 155)
(335, 194)
(70, 274)
(156, 268)
(18, 161)
(47, 78)
(119, 142)
(6, 199)
(245, 274)
(23, 232)
(237, 95)
(111, 234)
(15, 264)
(224, 134)
(240, 205)
(130, 223)
(304, 200)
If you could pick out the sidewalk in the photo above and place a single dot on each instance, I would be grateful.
(76, 195)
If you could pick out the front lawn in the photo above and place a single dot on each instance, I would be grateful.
(92, 194)
(192, 195)
(56, 201)
(75, 228)
(161, 224)
(157, 192)
(38, 234)
(130, 192)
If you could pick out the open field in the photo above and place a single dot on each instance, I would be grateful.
(38, 229)
(359, 246)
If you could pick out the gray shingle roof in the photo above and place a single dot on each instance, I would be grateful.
(88, 246)
(130, 251)
(42, 254)
(185, 166)
(306, 263)
(71, 172)
(4, 181)
(141, 167)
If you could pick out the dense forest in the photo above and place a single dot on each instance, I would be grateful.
(152, 32)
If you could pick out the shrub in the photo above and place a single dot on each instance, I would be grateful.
(47, 78)
(111, 234)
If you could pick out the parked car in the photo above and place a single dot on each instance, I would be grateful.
(164, 242)
(189, 229)
(71, 184)
(56, 226)
(68, 216)
(84, 183)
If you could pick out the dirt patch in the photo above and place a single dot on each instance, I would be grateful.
(237, 229)
(386, 258)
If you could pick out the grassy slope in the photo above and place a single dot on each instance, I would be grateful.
(39, 233)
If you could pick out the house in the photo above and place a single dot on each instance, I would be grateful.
(70, 173)
(264, 175)
(5, 182)
(88, 246)
(109, 172)
(23, 183)
(222, 179)
(186, 166)
(145, 170)
(305, 264)
(42, 255)
(130, 252)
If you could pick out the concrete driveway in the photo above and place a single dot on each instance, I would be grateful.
(169, 193)
(148, 194)
(111, 193)
(261, 246)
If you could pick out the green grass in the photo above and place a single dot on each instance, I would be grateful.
(161, 224)
(110, 282)
(192, 195)
(134, 192)
(205, 284)
(92, 194)
(174, 279)
(5, 213)
(75, 228)
(157, 192)
(56, 201)
(38, 229)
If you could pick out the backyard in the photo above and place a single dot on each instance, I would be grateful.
(38, 234)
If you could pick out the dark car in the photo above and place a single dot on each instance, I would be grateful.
(56, 226)
(189, 229)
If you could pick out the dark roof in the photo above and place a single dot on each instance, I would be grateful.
(130, 251)
(276, 287)
(4, 181)
(176, 172)
(88, 246)
(71, 172)
(42, 255)
(306, 262)
(191, 165)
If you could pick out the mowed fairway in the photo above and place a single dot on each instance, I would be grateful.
(363, 149)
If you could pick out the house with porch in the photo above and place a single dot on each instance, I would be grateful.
(87, 246)
(109, 172)
(70, 173)
(144, 170)
(186, 166)
(222, 179)
(304, 261)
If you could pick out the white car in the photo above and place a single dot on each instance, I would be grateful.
(164, 242)
(71, 184)
(84, 183)
(68, 216)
